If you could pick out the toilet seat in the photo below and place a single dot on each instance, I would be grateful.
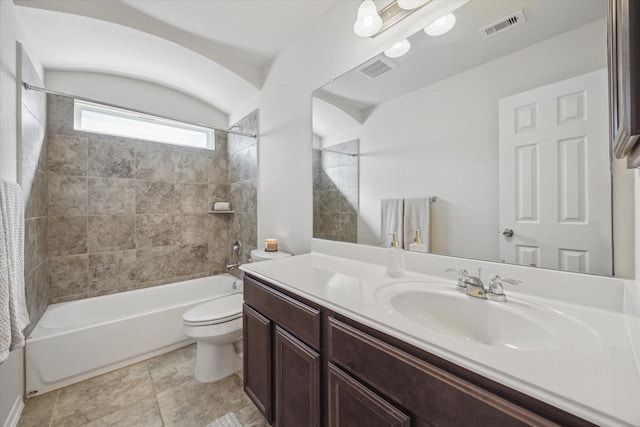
(220, 310)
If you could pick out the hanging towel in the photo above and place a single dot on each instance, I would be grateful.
(391, 221)
(417, 213)
(13, 309)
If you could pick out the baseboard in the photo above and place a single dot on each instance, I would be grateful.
(14, 415)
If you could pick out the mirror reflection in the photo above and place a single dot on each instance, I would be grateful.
(505, 126)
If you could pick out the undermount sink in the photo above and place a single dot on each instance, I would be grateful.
(515, 325)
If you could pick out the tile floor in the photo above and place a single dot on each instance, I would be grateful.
(156, 392)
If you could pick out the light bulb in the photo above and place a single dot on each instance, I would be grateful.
(368, 22)
(441, 25)
(398, 49)
(410, 4)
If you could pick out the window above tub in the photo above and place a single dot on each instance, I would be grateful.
(97, 118)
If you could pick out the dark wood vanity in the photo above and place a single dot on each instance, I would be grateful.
(305, 365)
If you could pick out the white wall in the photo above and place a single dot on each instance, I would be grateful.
(326, 51)
(11, 32)
(135, 94)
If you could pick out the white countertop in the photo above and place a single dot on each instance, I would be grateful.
(601, 385)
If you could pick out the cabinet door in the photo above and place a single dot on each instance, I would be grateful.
(297, 378)
(351, 404)
(256, 338)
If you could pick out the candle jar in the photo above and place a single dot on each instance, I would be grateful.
(271, 245)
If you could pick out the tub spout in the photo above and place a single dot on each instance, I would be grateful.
(232, 266)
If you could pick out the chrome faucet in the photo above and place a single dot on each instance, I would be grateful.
(473, 286)
(496, 291)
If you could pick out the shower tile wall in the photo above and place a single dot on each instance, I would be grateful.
(243, 174)
(335, 193)
(127, 214)
(34, 181)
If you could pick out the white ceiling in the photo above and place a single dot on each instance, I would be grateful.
(213, 50)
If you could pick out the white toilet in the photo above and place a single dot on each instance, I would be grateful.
(216, 326)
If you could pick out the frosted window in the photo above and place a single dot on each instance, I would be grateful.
(89, 117)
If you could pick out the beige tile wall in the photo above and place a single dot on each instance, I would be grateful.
(34, 183)
(335, 193)
(126, 214)
(243, 176)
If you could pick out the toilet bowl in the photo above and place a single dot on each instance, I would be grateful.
(215, 325)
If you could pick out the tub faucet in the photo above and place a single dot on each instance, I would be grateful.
(237, 250)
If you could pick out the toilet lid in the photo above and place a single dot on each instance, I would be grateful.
(219, 310)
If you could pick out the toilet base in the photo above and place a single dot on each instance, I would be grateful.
(215, 361)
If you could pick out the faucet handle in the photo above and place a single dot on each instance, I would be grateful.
(496, 290)
(462, 275)
(501, 279)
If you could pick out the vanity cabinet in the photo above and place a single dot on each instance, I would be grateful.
(281, 356)
(431, 395)
(353, 375)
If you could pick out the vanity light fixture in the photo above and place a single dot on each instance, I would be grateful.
(371, 21)
(368, 22)
(398, 49)
(411, 4)
(441, 25)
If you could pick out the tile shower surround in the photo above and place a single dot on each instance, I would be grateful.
(125, 214)
(243, 177)
(335, 193)
(33, 180)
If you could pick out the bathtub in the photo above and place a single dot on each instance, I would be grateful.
(80, 339)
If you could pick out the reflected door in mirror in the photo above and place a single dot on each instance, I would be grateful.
(554, 185)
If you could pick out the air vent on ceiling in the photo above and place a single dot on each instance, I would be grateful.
(376, 68)
(510, 21)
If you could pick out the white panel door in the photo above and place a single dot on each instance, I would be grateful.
(555, 182)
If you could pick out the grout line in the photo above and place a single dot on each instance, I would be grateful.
(55, 406)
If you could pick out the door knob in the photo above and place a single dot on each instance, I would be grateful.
(507, 232)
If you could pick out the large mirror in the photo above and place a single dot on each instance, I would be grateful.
(501, 125)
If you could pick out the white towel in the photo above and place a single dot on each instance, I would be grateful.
(391, 221)
(13, 309)
(417, 213)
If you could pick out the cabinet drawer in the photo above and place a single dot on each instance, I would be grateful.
(298, 318)
(435, 396)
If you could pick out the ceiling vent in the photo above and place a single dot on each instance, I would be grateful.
(378, 67)
(503, 24)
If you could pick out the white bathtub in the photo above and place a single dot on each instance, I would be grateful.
(80, 339)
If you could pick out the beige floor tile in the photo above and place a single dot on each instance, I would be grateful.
(250, 417)
(145, 413)
(96, 397)
(197, 404)
(173, 368)
(154, 393)
(38, 410)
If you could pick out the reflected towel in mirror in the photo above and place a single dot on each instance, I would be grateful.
(391, 221)
(417, 216)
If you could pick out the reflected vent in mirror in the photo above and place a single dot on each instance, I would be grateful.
(376, 68)
(510, 21)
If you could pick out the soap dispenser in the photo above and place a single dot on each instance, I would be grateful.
(417, 245)
(395, 258)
